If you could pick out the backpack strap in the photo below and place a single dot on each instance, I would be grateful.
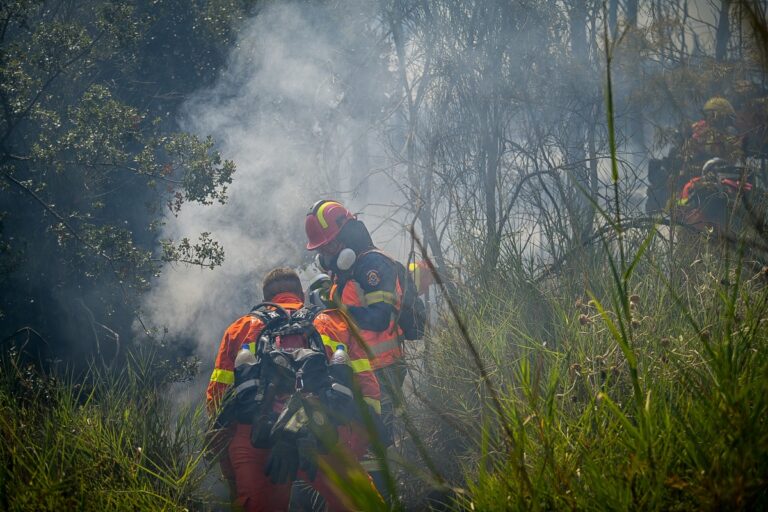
(377, 251)
(271, 315)
(269, 312)
(302, 320)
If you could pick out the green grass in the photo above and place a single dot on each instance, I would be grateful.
(648, 392)
(108, 441)
(658, 401)
(640, 383)
(643, 390)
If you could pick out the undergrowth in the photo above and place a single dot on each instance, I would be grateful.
(667, 412)
(640, 382)
(107, 441)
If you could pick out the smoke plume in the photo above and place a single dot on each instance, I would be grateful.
(292, 108)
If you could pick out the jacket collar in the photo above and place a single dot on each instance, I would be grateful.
(288, 300)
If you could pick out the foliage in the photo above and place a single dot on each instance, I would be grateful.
(651, 397)
(669, 417)
(596, 359)
(90, 155)
(108, 442)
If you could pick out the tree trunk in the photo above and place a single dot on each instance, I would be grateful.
(490, 167)
(632, 13)
(576, 150)
(613, 17)
(723, 34)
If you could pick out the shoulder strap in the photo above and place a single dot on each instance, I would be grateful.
(303, 320)
(273, 316)
(307, 313)
(377, 251)
(269, 313)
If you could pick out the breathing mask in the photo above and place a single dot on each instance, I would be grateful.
(343, 261)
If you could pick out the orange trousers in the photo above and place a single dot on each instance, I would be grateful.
(257, 493)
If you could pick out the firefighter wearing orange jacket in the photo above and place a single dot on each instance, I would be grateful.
(707, 200)
(366, 282)
(245, 464)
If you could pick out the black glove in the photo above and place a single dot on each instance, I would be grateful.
(261, 430)
(283, 462)
(307, 448)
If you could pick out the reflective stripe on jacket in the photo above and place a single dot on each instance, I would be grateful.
(685, 195)
(244, 330)
(383, 346)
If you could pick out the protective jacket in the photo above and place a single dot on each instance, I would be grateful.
(372, 293)
(708, 142)
(245, 463)
(246, 330)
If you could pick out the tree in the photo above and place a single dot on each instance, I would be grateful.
(89, 158)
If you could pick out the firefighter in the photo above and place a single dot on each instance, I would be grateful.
(421, 276)
(366, 283)
(706, 200)
(715, 135)
(262, 476)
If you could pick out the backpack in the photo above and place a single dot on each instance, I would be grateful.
(412, 316)
(281, 326)
(290, 357)
(302, 371)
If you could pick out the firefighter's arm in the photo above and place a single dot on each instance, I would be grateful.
(377, 277)
(334, 333)
(244, 330)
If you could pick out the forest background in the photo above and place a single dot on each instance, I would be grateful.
(157, 157)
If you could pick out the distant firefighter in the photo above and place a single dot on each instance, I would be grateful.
(710, 199)
(715, 136)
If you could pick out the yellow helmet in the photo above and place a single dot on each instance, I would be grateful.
(719, 106)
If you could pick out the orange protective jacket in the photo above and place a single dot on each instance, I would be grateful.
(332, 329)
(374, 282)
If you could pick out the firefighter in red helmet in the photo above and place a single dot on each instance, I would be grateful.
(369, 286)
(324, 223)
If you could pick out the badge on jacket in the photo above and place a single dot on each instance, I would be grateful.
(373, 278)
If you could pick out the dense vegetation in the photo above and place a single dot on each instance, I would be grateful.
(91, 157)
(583, 354)
(651, 393)
(109, 441)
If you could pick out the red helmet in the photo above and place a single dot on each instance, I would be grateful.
(324, 222)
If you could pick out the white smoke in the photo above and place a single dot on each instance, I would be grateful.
(281, 110)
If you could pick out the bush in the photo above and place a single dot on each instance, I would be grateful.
(108, 441)
(653, 394)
